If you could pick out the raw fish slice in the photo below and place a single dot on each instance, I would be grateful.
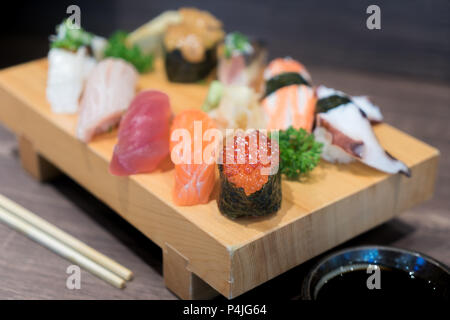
(67, 72)
(194, 182)
(372, 111)
(109, 90)
(348, 128)
(243, 69)
(143, 139)
(231, 71)
(293, 105)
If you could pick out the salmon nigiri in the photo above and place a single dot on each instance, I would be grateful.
(194, 176)
(109, 90)
(143, 140)
(289, 100)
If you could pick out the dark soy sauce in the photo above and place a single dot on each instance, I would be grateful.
(394, 284)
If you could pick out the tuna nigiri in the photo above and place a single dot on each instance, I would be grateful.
(109, 90)
(143, 140)
(289, 100)
(194, 180)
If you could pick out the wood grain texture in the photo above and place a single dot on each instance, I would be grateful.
(233, 257)
(36, 165)
(179, 279)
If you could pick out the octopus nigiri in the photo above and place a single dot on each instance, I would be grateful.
(143, 139)
(329, 98)
(347, 134)
(109, 90)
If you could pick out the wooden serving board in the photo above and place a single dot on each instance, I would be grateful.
(202, 249)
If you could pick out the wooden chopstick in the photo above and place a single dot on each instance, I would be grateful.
(60, 248)
(65, 238)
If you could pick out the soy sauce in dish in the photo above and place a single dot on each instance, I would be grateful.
(351, 283)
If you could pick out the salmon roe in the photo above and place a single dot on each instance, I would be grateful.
(248, 160)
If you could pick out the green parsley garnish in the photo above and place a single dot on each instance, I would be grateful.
(236, 41)
(118, 48)
(70, 37)
(299, 152)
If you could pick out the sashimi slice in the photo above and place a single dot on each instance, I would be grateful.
(348, 129)
(109, 90)
(243, 68)
(143, 139)
(293, 105)
(67, 72)
(194, 181)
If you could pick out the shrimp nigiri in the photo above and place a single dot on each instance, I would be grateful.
(290, 100)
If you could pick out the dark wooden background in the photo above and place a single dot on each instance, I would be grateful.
(404, 68)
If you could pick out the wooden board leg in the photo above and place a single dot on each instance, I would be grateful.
(178, 279)
(36, 165)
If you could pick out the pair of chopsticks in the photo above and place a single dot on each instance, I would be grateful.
(62, 243)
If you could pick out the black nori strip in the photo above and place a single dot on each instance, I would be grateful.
(234, 203)
(328, 103)
(179, 69)
(284, 80)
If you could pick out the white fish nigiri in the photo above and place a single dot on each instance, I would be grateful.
(372, 111)
(109, 90)
(67, 72)
(346, 133)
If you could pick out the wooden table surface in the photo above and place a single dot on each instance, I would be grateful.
(29, 271)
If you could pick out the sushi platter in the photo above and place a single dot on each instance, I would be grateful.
(236, 235)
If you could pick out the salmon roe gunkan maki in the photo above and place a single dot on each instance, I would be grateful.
(250, 182)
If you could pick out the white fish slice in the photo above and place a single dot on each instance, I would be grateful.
(67, 73)
(109, 90)
(347, 128)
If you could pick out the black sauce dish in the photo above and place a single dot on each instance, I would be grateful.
(377, 272)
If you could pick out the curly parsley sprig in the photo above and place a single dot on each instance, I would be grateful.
(236, 42)
(118, 48)
(70, 37)
(299, 152)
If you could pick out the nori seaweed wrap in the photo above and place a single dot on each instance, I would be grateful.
(249, 187)
(178, 69)
(191, 45)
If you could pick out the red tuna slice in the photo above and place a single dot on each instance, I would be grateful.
(143, 140)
